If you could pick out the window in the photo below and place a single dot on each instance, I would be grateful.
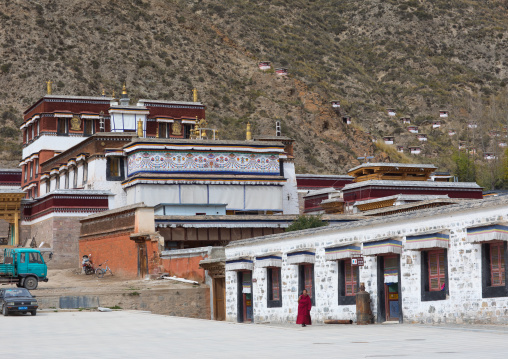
(66, 180)
(32, 128)
(38, 128)
(35, 192)
(274, 287)
(434, 275)
(494, 259)
(57, 186)
(48, 186)
(348, 282)
(31, 170)
(36, 165)
(22, 258)
(62, 127)
(35, 258)
(115, 169)
(88, 127)
(163, 130)
(75, 178)
(436, 271)
(25, 169)
(85, 172)
(306, 280)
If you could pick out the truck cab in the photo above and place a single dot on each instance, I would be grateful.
(23, 266)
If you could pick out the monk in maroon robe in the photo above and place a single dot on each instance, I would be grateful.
(304, 307)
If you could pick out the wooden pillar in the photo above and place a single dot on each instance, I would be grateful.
(16, 228)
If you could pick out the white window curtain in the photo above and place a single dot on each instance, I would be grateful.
(194, 193)
(231, 195)
(263, 197)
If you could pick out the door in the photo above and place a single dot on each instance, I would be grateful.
(219, 294)
(247, 296)
(22, 263)
(142, 260)
(390, 274)
(392, 301)
(36, 264)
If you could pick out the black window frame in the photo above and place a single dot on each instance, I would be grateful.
(65, 121)
(109, 177)
(270, 302)
(343, 298)
(301, 281)
(489, 291)
(426, 294)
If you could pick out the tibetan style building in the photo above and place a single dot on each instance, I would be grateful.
(378, 185)
(93, 155)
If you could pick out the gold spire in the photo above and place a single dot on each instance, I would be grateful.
(140, 128)
(48, 84)
(103, 92)
(195, 95)
(113, 94)
(124, 89)
(248, 135)
(157, 132)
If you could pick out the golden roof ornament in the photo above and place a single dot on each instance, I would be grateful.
(195, 94)
(248, 135)
(124, 89)
(103, 92)
(48, 85)
(140, 128)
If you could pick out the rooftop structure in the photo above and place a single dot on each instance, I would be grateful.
(392, 171)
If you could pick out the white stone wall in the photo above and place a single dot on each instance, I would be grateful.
(464, 304)
(289, 190)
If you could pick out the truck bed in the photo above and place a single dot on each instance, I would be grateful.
(6, 269)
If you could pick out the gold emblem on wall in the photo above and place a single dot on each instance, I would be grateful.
(75, 124)
(176, 129)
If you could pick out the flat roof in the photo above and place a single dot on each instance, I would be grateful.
(436, 184)
(401, 165)
(467, 205)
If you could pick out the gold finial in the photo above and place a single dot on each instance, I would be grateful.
(157, 132)
(113, 94)
(195, 95)
(140, 128)
(248, 135)
(124, 89)
(103, 92)
(48, 84)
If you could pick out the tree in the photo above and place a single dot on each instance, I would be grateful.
(305, 222)
(466, 169)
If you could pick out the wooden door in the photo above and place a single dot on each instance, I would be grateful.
(219, 294)
(142, 260)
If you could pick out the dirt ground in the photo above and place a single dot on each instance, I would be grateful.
(72, 282)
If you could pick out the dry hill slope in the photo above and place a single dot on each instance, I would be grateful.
(417, 56)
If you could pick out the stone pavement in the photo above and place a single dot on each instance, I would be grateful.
(132, 334)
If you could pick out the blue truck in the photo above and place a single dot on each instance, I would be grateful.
(24, 267)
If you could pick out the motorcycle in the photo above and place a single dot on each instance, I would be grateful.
(88, 264)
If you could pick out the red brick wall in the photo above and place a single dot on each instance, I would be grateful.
(187, 268)
(120, 251)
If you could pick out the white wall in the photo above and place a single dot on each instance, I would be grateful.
(56, 143)
(463, 305)
(289, 190)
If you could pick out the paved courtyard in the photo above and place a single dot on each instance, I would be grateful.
(131, 334)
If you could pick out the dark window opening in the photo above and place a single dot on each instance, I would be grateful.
(88, 127)
(306, 280)
(115, 169)
(434, 275)
(494, 269)
(274, 287)
(62, 127)
(348, 282)
(163, 130)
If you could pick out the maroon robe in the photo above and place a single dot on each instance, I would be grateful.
(304, 307)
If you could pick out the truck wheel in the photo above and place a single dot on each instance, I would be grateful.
(30, 283)
(4, 311)
(33, 312)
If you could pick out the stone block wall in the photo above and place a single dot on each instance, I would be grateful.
(463, 304)
(59, 233)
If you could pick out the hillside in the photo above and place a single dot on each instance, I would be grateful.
(417, 57)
